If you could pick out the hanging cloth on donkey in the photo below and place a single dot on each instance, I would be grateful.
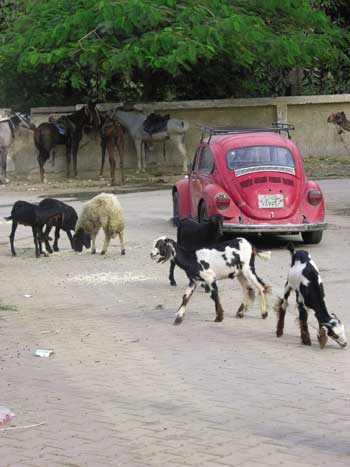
(156, 123)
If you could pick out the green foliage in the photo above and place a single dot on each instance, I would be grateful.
(147, 49)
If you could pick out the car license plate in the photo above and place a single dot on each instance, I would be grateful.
(271, 201)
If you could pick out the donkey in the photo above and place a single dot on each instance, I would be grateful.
(112, 135)
(47, 135)
(174, 130)
(8, 129)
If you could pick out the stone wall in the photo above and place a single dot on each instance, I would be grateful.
(313, 135)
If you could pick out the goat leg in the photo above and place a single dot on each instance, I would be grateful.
(218, 308)
(171, 273)
(185, 299)
(12, 237)
(304, 330)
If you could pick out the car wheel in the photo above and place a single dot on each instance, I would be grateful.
(203, 213)
(175, 208)
(312, 238)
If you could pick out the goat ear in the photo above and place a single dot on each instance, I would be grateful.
(327, 325)
(168, 250)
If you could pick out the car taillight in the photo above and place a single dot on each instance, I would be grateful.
(314, 197)
(222, 201)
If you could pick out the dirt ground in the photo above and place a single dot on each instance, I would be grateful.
(125, 387)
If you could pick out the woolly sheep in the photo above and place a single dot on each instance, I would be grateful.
(104, 210)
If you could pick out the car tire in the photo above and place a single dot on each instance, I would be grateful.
(176, 217)
(203, 213)
(312, 238)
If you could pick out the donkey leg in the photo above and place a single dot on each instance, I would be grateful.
(75, 158)
(4, 153)
(103, 155)
(121, 149)
(182, 149)
(41, 161)
(138, 146)
(111, 157)
(143, 157)
(68, 159)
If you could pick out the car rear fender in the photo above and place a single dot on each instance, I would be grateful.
(182, 188)
(312, 213)
(209, 195)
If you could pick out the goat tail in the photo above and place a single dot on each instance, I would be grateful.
(264, 255)
(9, 218)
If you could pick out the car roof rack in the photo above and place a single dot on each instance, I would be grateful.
(275, 127)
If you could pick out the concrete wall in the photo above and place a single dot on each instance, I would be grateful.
(313, 135)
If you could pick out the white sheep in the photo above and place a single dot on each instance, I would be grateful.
(104, 210)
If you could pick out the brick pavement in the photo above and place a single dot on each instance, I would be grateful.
(127, 388)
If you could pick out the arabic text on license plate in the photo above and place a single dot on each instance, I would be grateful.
(270, 201)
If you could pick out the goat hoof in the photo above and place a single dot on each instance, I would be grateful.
(322, 337)
(279, 333)
(103, 253)
(123, 252)
(178, 320)
(239, 314)
(264, 315)
(93, 252)
(218, 319)
(173, 284)
(55, 248)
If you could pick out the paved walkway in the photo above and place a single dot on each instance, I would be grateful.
(127, 388)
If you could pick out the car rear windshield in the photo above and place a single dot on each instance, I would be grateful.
(260, 158)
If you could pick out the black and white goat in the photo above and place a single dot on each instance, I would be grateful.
(36, 217)
(235, 258)
(304, 278)
(192, 236)
(68, 223)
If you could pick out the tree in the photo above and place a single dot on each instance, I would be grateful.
(147, 49)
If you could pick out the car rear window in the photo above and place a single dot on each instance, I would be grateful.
(260, 158)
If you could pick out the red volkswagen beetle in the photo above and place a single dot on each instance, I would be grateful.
(255, 178)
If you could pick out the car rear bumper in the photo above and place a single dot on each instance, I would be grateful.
(274, 228)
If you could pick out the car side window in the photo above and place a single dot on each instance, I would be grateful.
(206, 162)
(195, 159)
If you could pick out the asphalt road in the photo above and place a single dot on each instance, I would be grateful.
(125, 387)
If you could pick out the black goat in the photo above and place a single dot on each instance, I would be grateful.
(192, 236)
(304, 278)
(36, 217)
(68, 223)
